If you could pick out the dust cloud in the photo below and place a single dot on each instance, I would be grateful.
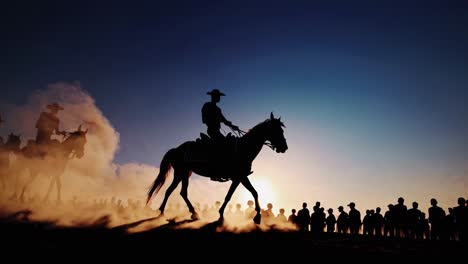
(94, 190)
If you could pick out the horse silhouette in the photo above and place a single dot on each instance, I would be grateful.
(50, 159)
(11, 146)
(235, 164)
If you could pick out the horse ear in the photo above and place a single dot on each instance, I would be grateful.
(279, 119)
(86, 131)
(79, 128)
(271, 116)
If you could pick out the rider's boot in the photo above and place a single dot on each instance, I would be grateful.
(217, 159)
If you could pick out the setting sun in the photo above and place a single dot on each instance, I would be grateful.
(265, 190)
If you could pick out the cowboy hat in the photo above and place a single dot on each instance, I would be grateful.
(215, 92)
(55, 106)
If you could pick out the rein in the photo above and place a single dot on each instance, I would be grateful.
(65, 137)
(239, 132)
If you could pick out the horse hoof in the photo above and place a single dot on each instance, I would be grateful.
(257, 219)
(195, 216)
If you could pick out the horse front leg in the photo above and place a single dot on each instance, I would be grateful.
(16, 171)
(49, 189)
(228, 197)
(58, 182)
(3, 175)
(248, 185)
(33, 175)
(169, 190)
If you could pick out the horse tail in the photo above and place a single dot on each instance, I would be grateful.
(164, 169)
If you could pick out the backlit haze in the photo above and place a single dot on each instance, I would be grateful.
(373, 96)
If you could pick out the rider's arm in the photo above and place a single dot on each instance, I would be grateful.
(225, 121)
(57, 130)
(228, 123)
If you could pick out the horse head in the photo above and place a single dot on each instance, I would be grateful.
(275, 134)
(76, 141)
(13, 142)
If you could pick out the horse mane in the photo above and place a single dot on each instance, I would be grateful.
(265, 122)
(258, 126)
(74, 134)
(13, 139)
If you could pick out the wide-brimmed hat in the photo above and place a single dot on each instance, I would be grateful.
(55, 106)
(215, 92)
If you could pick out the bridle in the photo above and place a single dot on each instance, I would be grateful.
(239, 132)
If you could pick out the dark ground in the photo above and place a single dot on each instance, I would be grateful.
(46, 240)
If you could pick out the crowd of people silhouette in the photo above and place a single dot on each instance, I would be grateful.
(397, 222)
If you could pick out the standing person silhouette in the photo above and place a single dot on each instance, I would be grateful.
(48, 124)
(212, 116)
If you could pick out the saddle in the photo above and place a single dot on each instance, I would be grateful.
(227, 146)
(218, 157)
(40, 150)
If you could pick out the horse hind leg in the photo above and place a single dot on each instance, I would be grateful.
(16, 180)
(228, 197)
(2, 179)
(58, 183)
(31, 179)
(49, 189)
(168, 193)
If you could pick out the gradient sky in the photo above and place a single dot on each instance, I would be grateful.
(373, 95)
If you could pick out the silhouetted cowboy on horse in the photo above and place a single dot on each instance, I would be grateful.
(48, 125)
(218, 157)
(212, 116)
(235, 163)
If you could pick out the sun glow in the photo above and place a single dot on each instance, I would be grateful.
(266, 193)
